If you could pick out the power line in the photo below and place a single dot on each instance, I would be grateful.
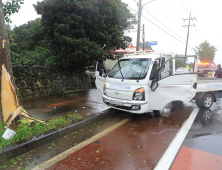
(164, 24)
(173, 9)
(180, 22)
(163, 30)
(176, 9)
(188, 31)
(133, 9)
(181, 2)
(200, 36)
(135, 1)
(170, 12)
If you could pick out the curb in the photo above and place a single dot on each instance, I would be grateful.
(20, 149)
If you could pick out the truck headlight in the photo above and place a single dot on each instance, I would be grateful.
(104, 89)
(139, 94)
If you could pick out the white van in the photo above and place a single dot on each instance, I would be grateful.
(143, 82)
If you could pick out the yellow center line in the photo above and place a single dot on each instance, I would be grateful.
(68, 152)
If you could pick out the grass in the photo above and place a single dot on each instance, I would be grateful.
(29, 130)
(71, 91)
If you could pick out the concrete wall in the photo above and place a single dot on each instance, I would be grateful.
(40, 81)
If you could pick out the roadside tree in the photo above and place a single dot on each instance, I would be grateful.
(28, 45)
(9, 8)
(205, 52)
(81, 32)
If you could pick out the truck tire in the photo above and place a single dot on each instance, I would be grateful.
(206, 102)
(177, 103)
(156, 113)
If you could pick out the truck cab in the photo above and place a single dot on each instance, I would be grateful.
(143, 82)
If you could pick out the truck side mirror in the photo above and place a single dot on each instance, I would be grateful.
(154, 85)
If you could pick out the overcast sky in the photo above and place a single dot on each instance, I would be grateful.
(165, 23)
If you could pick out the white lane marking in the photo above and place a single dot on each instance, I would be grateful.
(68, 152)
(168, 157)
(159, 133)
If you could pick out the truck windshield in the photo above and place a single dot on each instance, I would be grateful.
(131, 68)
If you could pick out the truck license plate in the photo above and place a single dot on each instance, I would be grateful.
(116, 102)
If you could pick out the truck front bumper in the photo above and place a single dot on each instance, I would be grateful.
(133, 106)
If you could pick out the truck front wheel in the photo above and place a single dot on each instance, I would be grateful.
(157, 113)
(206, 102)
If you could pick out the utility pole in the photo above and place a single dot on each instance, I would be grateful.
(143, 39)
(139, 22)
(188, 31)
(139, 25)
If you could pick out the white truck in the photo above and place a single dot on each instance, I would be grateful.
(144, 82)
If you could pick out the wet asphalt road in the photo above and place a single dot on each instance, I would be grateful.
(84, 102)
(202, 148)
(138, 144)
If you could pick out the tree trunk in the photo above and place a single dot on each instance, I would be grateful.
(5, 57)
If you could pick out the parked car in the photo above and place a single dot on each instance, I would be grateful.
(181, 70)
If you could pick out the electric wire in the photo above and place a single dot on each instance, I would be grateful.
(173, 9)
(163, 24)
(135, 1)
(176, 9)
(163, 30)
(171, 12)
(181, 2)
(200, 36)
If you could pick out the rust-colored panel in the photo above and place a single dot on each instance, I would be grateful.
(193, 159)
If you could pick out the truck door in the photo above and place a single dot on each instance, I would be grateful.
(100, 75)
(172, 86)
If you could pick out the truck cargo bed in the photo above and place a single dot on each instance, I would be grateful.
(209, 84)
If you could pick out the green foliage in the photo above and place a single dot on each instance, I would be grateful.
(28, 130)
(56, 91)
(28, 36)
(178, 63)
(11, 7)
(28, 45)
(86, 80)
(146, 45)
(81, 32)
(36, 57)
(71, 91)
(205, 52)
(19, 95)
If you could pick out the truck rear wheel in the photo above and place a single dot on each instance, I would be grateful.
(206, 102)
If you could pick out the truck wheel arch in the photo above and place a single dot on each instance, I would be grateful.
(200, 95)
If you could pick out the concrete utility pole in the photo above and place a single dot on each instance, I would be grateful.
(139, 25)
(188, 31)
(143, 39)
(139, 22)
